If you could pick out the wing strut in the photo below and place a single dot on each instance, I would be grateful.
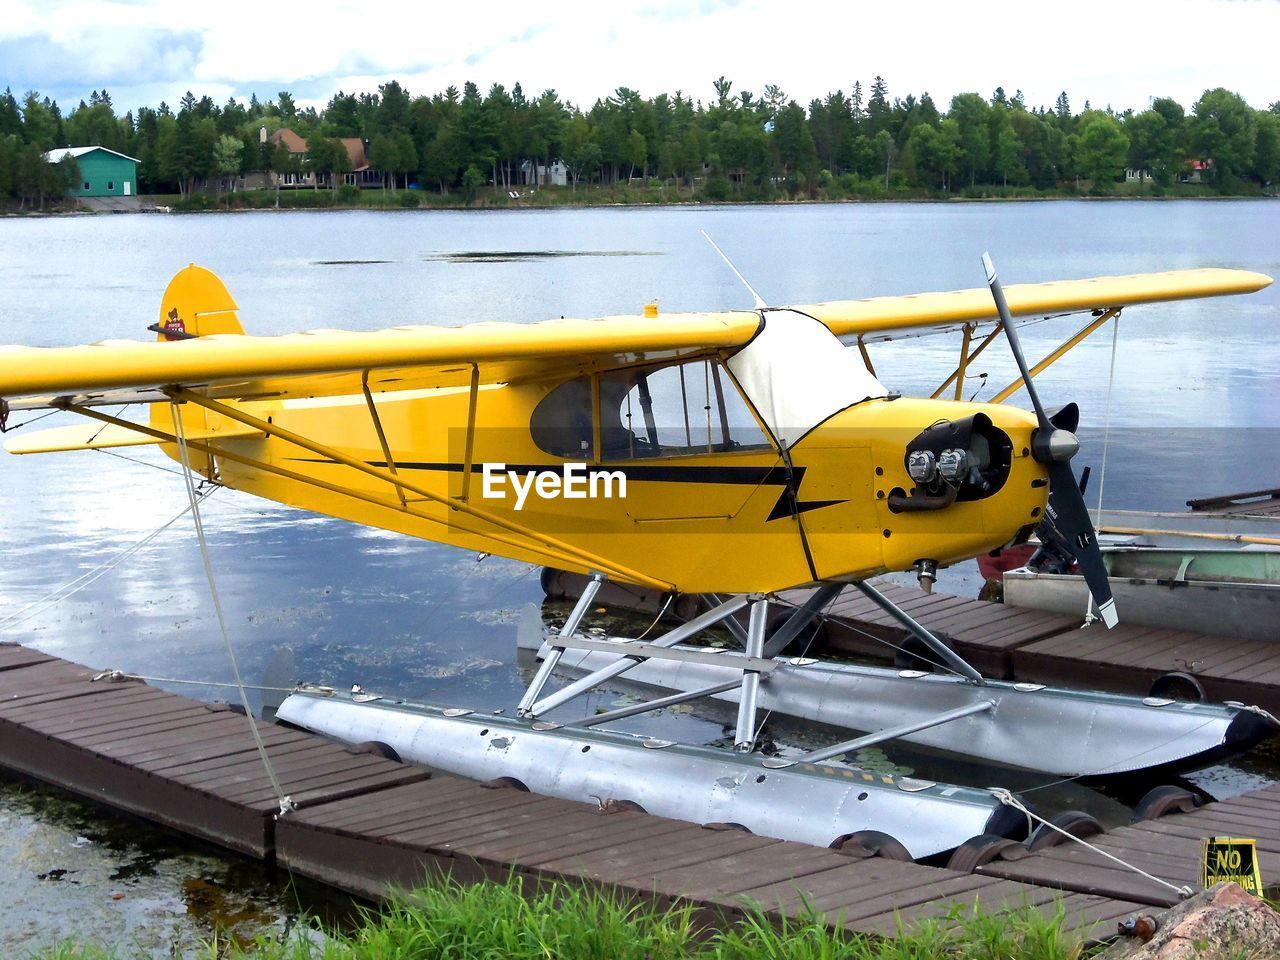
(957, 375)
(382, 436)
(1065, 347)
(579, 556)
(554, 555)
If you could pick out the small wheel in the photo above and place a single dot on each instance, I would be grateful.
(1074, 822)
(505, 783)
(376, 748)
(981, 849)
(1158, 801)
(1177, 685)
(865, 844)
(914, 654)
(730, 825)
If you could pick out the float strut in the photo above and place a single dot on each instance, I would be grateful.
(553, 655)
(744, 739)
(637, 708)
(949, 656)
(625, 663)
(801, 618)
(732, 625)
(871, 739)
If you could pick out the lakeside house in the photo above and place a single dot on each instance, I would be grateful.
(1196, 171)
(554, 175)
(360, 175)
(103, 172)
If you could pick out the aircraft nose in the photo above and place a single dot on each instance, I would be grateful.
(967, 459)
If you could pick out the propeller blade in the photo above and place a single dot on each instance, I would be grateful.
(1066, 418)
(1054, 444)
(1015, 344)
(1071, 518)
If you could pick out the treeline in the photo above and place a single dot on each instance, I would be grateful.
(738, 145)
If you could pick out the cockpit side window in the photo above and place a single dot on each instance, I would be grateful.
(561, 423)
(674, 410)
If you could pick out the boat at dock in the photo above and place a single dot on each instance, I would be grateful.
(1212, 569)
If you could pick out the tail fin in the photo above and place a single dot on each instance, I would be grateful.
(195, 304)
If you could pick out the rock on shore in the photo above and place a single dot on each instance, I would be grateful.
(1220, 922)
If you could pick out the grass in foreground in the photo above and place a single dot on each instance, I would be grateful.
(499, 921)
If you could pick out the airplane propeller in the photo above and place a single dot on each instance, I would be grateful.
(1054, 443)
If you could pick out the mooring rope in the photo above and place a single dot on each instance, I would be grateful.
(146, 678)
(69, 589)
(180, 434)
(1008, 799)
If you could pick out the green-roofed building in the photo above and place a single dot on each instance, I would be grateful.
(103, 172)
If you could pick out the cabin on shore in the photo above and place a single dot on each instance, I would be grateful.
(360, 174)
(103, 172)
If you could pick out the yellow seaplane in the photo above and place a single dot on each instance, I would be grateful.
(732, 455)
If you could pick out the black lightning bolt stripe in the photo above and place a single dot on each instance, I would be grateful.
(775, 476)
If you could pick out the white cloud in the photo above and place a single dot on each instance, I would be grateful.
(1108, 53)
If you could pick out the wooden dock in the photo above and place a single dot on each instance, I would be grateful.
(1169, 848)
(366, 824)
(1255, 503)
(1014, 643)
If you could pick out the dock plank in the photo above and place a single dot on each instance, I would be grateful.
(466, 802)
(14, 656)
(731, 878)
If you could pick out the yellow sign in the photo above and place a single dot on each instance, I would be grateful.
(1228, 859)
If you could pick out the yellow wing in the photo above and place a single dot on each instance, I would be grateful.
(885, 318)
(331, 362)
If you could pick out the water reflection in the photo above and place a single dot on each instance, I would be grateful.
(74, 872)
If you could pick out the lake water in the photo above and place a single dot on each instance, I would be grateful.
(1193, 411)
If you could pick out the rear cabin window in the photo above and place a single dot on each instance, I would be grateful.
(675, 410)
(561, 422)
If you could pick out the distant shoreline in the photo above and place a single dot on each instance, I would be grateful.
(399, 201)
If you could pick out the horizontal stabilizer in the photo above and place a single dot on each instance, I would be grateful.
(95, 436)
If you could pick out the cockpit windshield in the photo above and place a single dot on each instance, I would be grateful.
(797, 374)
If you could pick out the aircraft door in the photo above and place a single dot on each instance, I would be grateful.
(687, 441)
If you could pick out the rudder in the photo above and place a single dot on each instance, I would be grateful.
(195, 304)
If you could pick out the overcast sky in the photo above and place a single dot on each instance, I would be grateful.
(1117, 52)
